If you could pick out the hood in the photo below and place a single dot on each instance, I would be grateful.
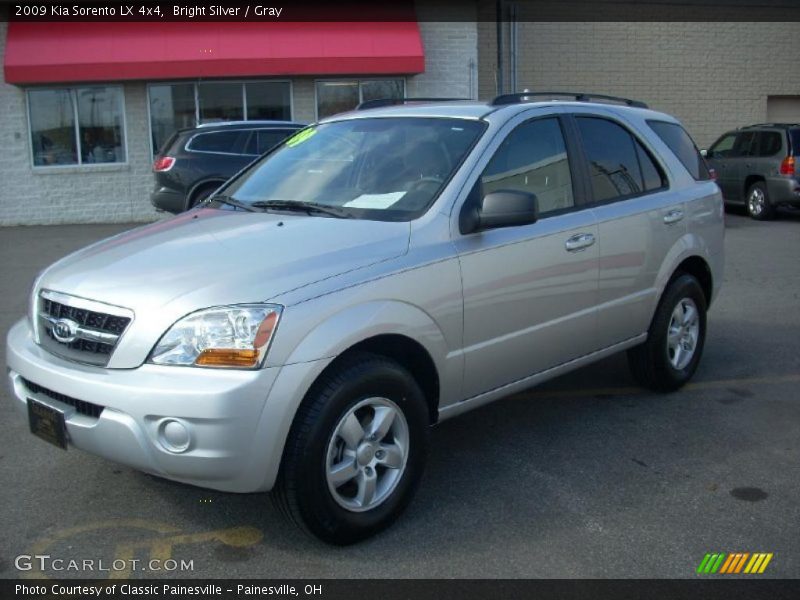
(209, 257)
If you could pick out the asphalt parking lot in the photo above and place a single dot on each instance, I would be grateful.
(587, 476)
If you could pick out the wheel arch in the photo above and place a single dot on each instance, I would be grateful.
(409, 354)
(697, 267)
(201, 185)
(750, 180)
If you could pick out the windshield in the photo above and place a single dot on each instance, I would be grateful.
(381, 168)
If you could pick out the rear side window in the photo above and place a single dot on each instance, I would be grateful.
(533, 158)
(769, 143)
(794, 135)
(218, 141)
(262, 140)
(675, 136)
(618, 164)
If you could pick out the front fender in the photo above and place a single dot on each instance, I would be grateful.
(344, 329)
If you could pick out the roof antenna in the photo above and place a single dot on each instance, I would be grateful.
(525, 98)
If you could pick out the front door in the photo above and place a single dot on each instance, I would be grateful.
(529, 291)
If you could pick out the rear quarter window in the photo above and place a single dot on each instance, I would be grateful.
(217, 141)
(682, 146)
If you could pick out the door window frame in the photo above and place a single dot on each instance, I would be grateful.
(584, 160)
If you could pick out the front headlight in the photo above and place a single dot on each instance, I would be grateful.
(225, 336)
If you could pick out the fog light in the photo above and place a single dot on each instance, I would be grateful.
(174, 435)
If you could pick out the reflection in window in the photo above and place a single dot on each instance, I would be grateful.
(340, 96)
(268, 100)
(220, 102)
(100, 123)
(98, 135)
(335, 97)
(52, 119)
(614, 166)
(172, 107)
(376, 90)
(533, 159)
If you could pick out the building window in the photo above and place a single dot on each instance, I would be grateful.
(340, 96)
(175, 106)
(77, 126)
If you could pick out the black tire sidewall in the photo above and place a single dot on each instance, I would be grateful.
(684, 286)
(319, 511)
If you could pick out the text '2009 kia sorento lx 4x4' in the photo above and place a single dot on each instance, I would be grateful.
(374, 274)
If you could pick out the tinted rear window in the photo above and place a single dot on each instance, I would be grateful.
(675, 136)
(769, 143)
(219, 141)
(794, 134)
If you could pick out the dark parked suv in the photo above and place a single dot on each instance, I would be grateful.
(756, 167)
(194, 162)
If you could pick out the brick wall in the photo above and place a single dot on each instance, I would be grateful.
(712, 76)
(89, 194)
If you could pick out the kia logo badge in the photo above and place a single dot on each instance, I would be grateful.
(65, 330)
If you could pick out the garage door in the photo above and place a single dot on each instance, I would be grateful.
(783, 109)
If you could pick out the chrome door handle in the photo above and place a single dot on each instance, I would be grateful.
(579, 242)
(673, 216)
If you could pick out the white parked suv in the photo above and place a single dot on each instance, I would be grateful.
(376, 273)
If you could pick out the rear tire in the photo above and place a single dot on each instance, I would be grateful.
(757, 202)
(675, 340)
(355, 452)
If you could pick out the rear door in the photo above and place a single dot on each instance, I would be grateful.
(638, 221)
(529, 291)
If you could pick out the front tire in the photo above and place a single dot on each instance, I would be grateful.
(758, 204)
(675, 340)
(355, 452)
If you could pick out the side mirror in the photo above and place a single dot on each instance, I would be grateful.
(502, 208)
(703, 152)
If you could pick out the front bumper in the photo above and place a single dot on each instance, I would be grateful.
(236, 420)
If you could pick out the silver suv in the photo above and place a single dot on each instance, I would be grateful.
(376, 273)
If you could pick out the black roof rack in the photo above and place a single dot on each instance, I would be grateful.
(770, 125)
(518, 97)
(380, 102)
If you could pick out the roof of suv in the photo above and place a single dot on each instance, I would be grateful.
(771, 126)
(253, 123)
(472, 109)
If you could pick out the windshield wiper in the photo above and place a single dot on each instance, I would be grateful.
(306, 207)
(230, 202)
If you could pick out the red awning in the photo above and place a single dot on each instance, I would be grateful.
(114, 51)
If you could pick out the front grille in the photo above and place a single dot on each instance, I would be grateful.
(83, 407)
(95, 320)
(95, 327)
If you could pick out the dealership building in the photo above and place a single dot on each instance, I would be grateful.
(85, 106)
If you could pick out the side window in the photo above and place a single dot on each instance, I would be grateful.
(652, 175)
(682, 146)
(268, 138)
(723, 147)
(613, 161)
(219, 141)
(770, 143)
(533, 158)
(744, 143)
